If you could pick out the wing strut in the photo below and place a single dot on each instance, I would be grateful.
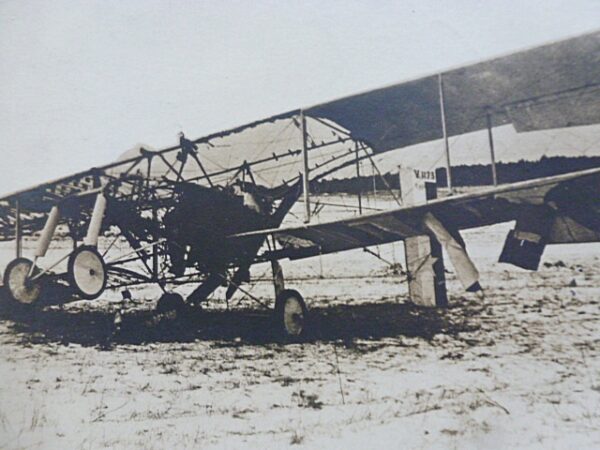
(491, 141)
(18, 240)
(466, 271)
(305, 172)
(357, 159)
(444, 131)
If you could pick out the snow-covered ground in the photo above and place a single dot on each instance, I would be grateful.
(519, 369)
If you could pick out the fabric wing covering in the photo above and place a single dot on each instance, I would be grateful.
(553, 86)
(570, 200)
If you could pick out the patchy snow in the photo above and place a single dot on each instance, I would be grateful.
(520, 369)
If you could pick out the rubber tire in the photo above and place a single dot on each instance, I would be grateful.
(71, 275)
(280, 312)
(170, 302)
(5, 281)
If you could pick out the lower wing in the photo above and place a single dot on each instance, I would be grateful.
(551, 210)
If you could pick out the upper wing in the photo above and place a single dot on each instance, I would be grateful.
(552, 86)
(563, 208)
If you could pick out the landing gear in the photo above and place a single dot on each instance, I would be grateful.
(19, 284)
(87, 272)
(291, 313)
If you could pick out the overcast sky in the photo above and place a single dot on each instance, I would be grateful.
(83, 81)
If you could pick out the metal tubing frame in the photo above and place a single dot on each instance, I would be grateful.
(364, 147)
(155, 247)
(273, 157)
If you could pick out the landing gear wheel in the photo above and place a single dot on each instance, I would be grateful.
(170, 302)
(291, 313)
(87, 272)
(20, 287)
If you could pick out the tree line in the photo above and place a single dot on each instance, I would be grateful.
(465, 175)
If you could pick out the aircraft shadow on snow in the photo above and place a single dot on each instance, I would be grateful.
(344, 323)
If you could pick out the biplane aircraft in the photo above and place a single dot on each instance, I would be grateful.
(208, 209)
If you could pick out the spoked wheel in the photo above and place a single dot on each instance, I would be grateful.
(170, 302)
(20, 286)
(291, 313)
(87, 272)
